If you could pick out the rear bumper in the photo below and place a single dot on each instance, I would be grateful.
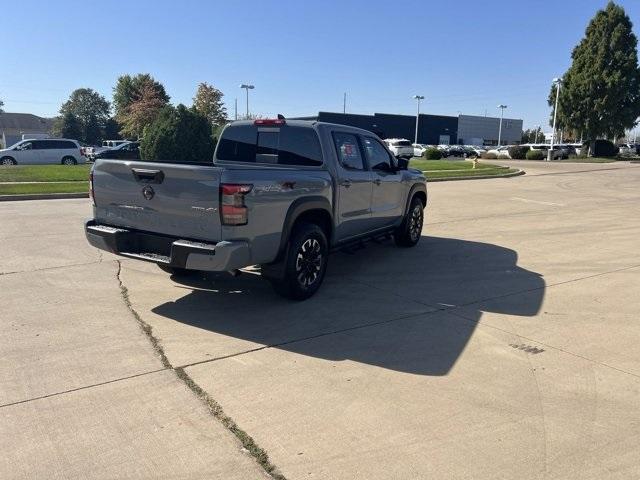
(169, 251)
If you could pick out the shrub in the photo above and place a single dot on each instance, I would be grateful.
(432, 154)
(535, 155)
(489, 156)
(503, 156)
(178, 134)
(518, 152)
(603, 148)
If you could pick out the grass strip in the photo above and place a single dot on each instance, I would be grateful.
(35, 188)
(44, 173)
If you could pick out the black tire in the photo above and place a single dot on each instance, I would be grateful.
(305, 262)
(69, 161)
(409, 232)
(177, 271)
(6, 161)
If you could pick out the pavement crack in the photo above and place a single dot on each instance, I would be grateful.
(84, 387)
(214, 408)
(51, 268)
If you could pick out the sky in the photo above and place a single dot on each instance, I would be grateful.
(464, 56)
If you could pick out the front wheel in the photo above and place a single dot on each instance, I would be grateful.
(7, 161)
(305, 263)
(408, 233)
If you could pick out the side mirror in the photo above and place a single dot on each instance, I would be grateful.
(402, 163)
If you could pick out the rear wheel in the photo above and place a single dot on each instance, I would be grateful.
(69, 161)
(6, 161)
(408, 233)
(305, 262)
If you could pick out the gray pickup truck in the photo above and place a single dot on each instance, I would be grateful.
(279, 193)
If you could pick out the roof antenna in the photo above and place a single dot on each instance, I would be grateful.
(281, 117)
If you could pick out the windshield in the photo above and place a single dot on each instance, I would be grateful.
(15, 145)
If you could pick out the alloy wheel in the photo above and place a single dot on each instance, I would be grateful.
(309, 262)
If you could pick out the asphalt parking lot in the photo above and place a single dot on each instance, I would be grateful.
(504, 346)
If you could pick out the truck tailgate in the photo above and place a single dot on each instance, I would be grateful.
(180, 200)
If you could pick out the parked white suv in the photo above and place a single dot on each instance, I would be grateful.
(43, 151)
(400, 147)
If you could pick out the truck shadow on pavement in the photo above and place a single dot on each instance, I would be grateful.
(382, 306)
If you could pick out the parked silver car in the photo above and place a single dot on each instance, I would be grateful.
(43, 151)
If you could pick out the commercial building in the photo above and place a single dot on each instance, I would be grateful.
(477, 130)
(14, 125)
(432, 129)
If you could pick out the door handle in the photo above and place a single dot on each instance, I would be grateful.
(377, 181)
(346, 183)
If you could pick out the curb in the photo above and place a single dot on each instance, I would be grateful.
(478, 177)
(42, 196)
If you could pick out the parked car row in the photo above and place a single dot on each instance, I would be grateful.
(64, 151)
(91, 152)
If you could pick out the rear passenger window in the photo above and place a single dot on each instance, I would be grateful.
(348, 151)
(284, 145)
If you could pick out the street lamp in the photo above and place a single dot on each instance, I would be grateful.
(557, 82)
(247, 88)
(418, 98)
(501, 107)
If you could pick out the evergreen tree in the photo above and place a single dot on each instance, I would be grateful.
(178, 134)
(600, 93)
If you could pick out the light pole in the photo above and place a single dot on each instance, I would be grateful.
(537, 130)
(247, 87)
(501, 107)
(557, 82)
(418, 98)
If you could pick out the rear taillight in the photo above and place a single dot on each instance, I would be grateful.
(233, 210)
(91, 194)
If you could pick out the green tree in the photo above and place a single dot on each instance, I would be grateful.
(600, 93)
(68, 126)
(145, 108)
(208, 102)
(129, 89)
(112, 129)
(1, 105)
(86, 112)
(529, 135)
(179, 134)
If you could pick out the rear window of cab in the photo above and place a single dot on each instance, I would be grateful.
(282, 145)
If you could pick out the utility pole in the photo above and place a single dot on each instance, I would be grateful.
(557, 82)
(537, 130)
(418, 98)
(344, 103)
(501, 107)
(247, 87)
(235, 108)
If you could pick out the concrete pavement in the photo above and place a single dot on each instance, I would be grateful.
(504, 345)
